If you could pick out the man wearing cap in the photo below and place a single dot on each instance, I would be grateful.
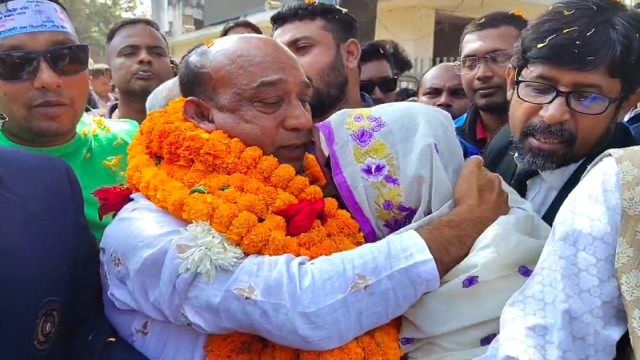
(44, 85)
(51, 299)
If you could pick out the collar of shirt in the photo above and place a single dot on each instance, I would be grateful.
(555, 178)
(481, 132)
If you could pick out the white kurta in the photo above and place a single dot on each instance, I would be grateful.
(571, 307)
(296, 302)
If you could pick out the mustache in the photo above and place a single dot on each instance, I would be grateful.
(561, 132)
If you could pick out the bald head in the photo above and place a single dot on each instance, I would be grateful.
(254, 89)
(228, 62)
(441, 86)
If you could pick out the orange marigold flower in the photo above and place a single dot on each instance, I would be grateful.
(238, 181)
(216, 182)
(330, 207)
(312, 193)
(240, 227)
(197, 208)
(283, 200)
(249, 160)
(297, 185)
(265, 168)
(254, 204)
(282, 176)
(224, 216)
(314, 172)
(193, 178)
(256, 239)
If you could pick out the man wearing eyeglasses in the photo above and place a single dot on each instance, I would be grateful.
(486, 46)
(573, 78)
(44, 85)
(566, 109)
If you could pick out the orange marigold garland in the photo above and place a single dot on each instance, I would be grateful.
(214, 178)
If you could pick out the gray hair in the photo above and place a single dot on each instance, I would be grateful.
(162, 95)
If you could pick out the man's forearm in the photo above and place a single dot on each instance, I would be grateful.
(449, 236)
(327, 302)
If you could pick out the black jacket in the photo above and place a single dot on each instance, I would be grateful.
(51, 297)
(499, 158)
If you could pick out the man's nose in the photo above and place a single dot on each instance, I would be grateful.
(556, 112)
(144, 57)
(298, 118)
(444, 100)
(484, 71)
(47, 78)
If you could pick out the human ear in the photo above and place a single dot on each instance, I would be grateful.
(199, 113)
(351, 53)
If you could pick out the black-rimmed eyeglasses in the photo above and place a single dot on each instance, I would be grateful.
(583, 102)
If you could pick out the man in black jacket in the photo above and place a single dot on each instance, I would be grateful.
(569, 86)
(49, 268)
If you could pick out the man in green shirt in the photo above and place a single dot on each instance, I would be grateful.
(44, 84)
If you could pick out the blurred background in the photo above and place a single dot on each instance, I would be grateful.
(429, 30)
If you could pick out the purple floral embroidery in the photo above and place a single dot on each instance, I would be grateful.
(398, 223)
(377, 123)
(406, 341)
(469, 282)
(362, 137)
(374, 170)
(391, 180)
(387, 205)
(525, 271)
(435, 146)
(394, 225)
(407, 210)
(486, 341)
(358, 118)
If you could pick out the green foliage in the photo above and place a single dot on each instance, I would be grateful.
(93, 19)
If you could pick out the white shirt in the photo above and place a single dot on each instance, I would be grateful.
(308, 305)
(571, 307)
(543, 188)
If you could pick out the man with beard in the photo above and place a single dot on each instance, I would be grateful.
(568, 96)
(323, 38)
(486, 46)
(138, 55)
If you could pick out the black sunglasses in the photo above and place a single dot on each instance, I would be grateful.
(23, 65)
(386, 85)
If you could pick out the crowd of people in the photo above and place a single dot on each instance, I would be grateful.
(280, 197)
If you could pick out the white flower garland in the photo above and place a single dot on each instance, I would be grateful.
(206, 251)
